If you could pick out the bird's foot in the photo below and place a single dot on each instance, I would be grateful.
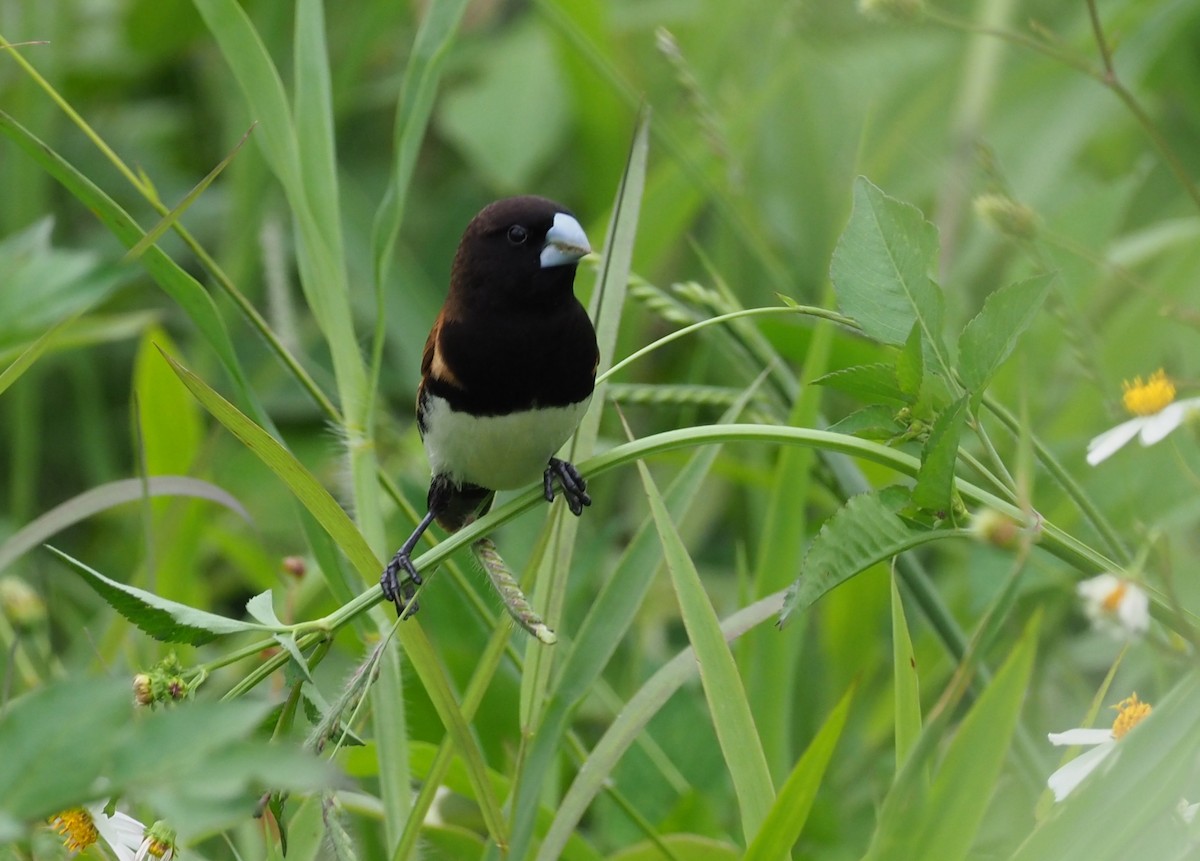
(401, 590)
(573, 486)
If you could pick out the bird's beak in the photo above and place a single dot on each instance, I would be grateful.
(565, 242)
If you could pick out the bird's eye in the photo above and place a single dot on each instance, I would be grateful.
(517, 234)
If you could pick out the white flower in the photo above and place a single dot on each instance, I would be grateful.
(1103, 742)
(1117, 606)
(81, 827)
(1156, 412)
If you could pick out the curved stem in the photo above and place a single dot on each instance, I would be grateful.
(806, 310)
(1054, 539)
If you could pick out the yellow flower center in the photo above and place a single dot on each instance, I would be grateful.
(1148, 398)
(1113, 599)
(76, 827)
(158, 848)
(1130, 712)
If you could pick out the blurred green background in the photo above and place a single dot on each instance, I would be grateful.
(763, 113)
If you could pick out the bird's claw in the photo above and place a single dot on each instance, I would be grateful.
(573, 486)
(401, 590)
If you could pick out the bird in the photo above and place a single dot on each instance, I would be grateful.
(507, 372)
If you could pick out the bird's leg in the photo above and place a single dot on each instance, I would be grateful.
(401, 592)
(573, 486)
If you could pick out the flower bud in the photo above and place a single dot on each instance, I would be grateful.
(21, 605)
(1007, 216)
(892, 10)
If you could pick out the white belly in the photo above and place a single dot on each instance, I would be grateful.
(496, 452)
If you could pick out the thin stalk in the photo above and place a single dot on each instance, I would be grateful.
(1066, 481)
(1107, 77)
(806, 310)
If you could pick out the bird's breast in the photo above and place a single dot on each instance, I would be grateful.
(499, 452)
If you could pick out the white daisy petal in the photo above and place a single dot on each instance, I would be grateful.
(1134, 610)
(122, 833)
(1063, 782)
(1104, 446)
(1073, 737)
(1157, 426)
(1097, 588)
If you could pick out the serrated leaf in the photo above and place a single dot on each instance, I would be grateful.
(876, 382)
(864, 531)
(75, 741)
(935, 481)
(287, 641)
(260, 607)
(881, 271)
(163, 620)
(992, 334)
(873, 422)
(910, 366)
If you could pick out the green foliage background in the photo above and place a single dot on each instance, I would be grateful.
(263, 349)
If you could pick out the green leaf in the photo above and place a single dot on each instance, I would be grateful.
(943, 821)
(631, 723)
(789, 813)
(172, 218)
(183, 289)
(44, 285)
(199, 763)
(311, 494)
(170, 425)
(723, 689)
(881, 271)
(872, 383)
(164, 620)
(261, 86)
(430, 49)
(910, 366)
(935, 482)
(606, 625)
(874, 422)
(905, 682)
(864, 531)
(991, 336)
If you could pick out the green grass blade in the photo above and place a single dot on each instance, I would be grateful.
(33, 352)
(609, 620)
(104, 497)
(769, 658)
(421, 78)
(1129, 800)
(727, 702)
(942, 822)
(261, 85)
(905, 682)
(185, 290)
(314, 124)
(606, 304)
(629, 724)
(789, 813)
(172, 218)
